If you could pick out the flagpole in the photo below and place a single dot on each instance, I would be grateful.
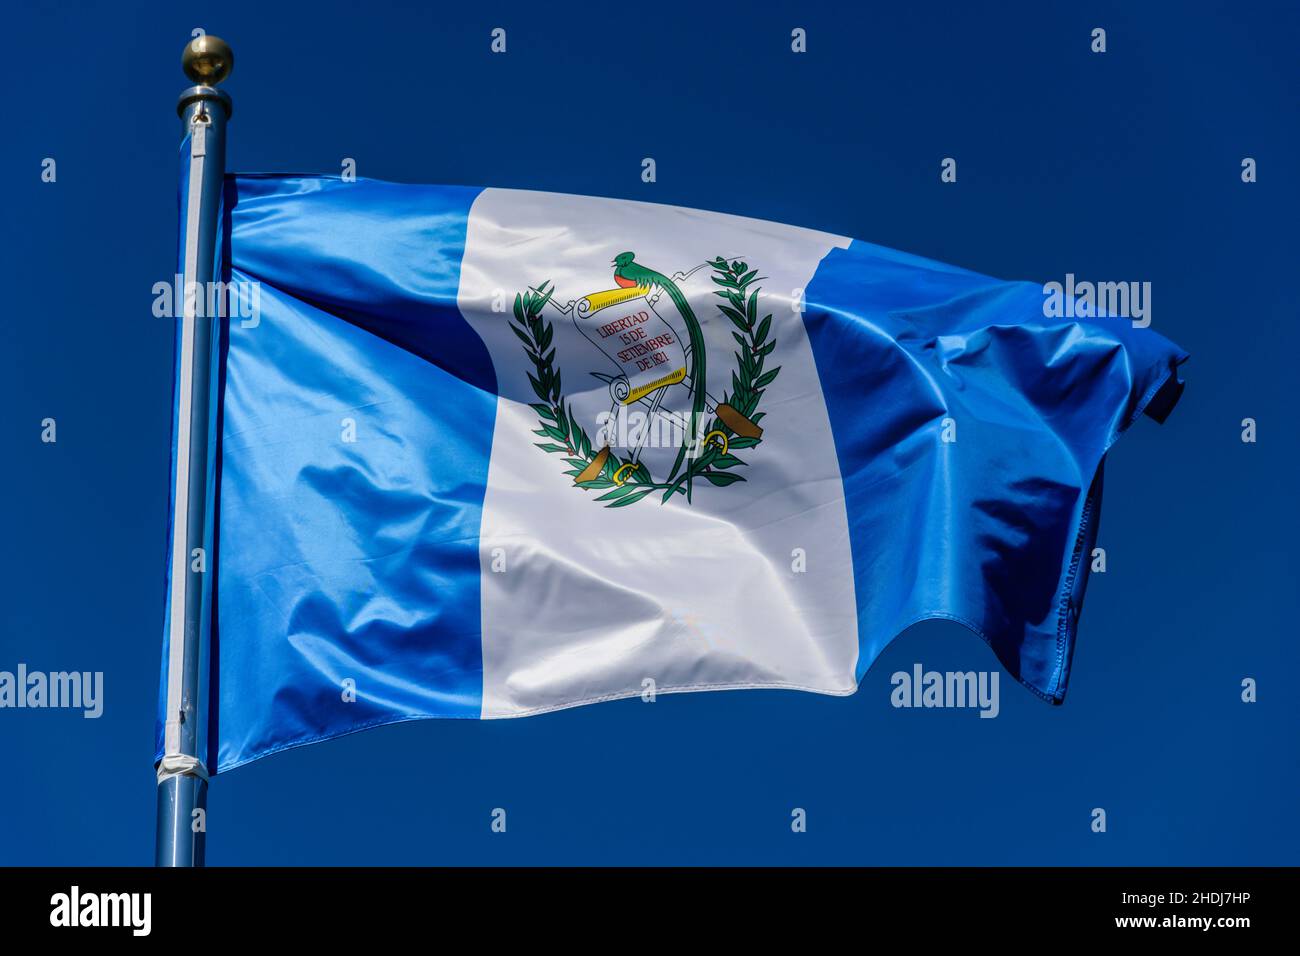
(182, 773)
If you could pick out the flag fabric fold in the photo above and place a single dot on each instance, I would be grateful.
(490, 453)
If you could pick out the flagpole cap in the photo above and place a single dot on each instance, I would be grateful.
(207, 60)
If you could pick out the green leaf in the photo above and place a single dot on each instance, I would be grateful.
(619, 492)
(673, 489)
(723, 478)
(728, 460)
(766, 380)
(543, 410)
(630, 499)
(537, 387)
(763, 328)
(523, 337)
(681, 454)
(743, 442)
(706, 458)
(549, 447)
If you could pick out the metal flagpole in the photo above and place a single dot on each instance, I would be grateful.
(182, 776)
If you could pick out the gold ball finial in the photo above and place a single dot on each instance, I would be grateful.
(207, 60)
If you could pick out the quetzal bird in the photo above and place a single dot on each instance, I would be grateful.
(628, 274)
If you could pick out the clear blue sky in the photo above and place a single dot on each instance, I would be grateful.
(1122, 166)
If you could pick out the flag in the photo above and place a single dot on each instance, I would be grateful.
(490, 453)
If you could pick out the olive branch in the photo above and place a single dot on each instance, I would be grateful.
(595, 469)
(748, 380)
(556, 416)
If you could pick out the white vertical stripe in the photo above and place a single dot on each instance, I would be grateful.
(594, 601)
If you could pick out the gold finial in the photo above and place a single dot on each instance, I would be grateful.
(207, 60)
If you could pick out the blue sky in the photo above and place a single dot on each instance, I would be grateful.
(1119, 166)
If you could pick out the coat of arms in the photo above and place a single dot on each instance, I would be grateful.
(655, 363)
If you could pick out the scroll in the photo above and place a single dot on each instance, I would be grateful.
(645, 347)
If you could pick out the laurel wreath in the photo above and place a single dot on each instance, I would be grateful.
(622, 481)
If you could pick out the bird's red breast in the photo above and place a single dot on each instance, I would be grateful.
(624, 283)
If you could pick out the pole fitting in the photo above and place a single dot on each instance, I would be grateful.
(181, 765)
(207, 60)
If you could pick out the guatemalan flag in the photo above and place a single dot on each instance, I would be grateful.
(490, 453)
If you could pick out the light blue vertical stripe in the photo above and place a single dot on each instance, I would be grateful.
(354, 466)
(992, 528)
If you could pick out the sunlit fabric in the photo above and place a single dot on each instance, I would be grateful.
(491, 453)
